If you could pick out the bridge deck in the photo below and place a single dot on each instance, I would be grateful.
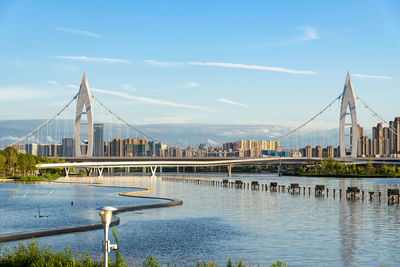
(198, 162)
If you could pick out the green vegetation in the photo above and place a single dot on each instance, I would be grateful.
(21, 166)
(35, 254)
(333, 168)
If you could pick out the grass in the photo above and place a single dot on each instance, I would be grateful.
(35, 254)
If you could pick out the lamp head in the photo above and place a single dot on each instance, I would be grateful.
(106, 214)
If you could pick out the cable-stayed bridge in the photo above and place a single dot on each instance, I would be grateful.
(82, 137)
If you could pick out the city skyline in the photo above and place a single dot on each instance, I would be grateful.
(240, 71)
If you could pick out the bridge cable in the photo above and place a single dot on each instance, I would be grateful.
(374, 114)
(128, 124)
(46, 122)
(304, 124)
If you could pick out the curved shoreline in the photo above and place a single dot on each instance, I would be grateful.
(95, 226)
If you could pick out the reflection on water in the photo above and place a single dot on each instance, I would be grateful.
(215, 223)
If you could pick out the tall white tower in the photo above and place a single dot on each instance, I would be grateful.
(84, 120)
(348, 108)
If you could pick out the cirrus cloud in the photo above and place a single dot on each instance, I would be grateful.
(74, 31)
(227, 65)
(365, 76)
(227, 101)
(149, 100)
(92, 59)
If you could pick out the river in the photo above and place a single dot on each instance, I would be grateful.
(214, 223)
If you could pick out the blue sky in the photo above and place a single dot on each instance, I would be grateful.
(219, 62)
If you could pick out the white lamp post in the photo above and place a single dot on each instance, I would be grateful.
(106, 214)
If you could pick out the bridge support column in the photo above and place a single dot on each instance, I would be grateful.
(160, 169)
(144, 170)
(194, 169)
(66, 171)
(229, 170)
(280, 167)
(153, 171)
(100, 171)
(88, 171)
(177, 169)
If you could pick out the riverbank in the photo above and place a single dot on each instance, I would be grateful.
(339, 175)
(332, 168)
(23, 178)
(39, 254)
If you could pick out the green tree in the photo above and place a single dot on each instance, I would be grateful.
(22, 163)
(3, 161)
(370, 167)
(31, 161)
(12, 157)
(339, 168)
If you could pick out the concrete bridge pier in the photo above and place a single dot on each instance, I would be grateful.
(153, 171)
(66, 169)
(100, 171)
(88, 171)
(229, 170)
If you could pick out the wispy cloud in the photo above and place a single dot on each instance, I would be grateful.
(149, 100)
(309, 33)
(191, 85)
(73, 86)
(227, 65)
(127, 87)
(56, 84)
(252, 67)
(93, 59)
(74, 31)
(365, 76)
(162, 64)
(227, 101)
(9, 138)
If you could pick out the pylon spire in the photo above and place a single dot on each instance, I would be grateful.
(348, 102)
(84, 100)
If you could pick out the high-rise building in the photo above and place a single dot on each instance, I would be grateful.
(68, 147)
(31, 149)
(56, 150)
(307, 152)
(317, 152)
(115, 147)
(44, 150)
(98, 142)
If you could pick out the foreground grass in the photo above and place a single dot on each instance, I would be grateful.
(35, 254)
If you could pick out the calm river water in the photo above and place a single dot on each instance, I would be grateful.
(215, 223)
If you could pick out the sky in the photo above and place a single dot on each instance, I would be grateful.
(217, 62)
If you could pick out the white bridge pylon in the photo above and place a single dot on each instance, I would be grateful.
(84, 101)
(348, 103)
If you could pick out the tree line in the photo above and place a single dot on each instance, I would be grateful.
(15, 164)
(331, 167)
